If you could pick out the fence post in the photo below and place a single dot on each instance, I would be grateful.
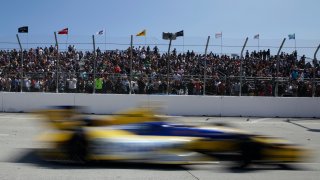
(131, 55)
(277, 78)
(21, 70)
(241, 59)
(205, 67)
(57, 63)
(314, 71)
(168, 66)
(94, 64)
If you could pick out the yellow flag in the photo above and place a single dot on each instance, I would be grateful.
(142, 33)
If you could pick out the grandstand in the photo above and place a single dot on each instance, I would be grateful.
(75, 68)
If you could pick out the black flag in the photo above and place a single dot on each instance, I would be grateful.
(180, 33)
(168, 36)
(23, 29)
(165, 35)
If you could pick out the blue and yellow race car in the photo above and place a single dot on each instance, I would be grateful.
(138, 135)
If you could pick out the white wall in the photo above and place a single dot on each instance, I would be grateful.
(26, 102)
(173, 105)
(108, 103)
(1, 99)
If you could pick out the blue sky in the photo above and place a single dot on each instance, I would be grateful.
(237, 19)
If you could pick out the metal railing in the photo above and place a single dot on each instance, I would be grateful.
(220, 85)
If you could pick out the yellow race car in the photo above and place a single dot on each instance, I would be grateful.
(137, 135)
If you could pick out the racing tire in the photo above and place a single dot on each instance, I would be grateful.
(77, 148)
(249, 153)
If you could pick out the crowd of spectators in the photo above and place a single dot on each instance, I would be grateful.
(109, 72)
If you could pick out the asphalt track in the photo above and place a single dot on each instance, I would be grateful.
(17, 160)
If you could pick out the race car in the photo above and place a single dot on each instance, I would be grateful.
(75, 138)
(138, 135)
(225, 143)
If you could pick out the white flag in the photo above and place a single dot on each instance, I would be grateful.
(218, 35)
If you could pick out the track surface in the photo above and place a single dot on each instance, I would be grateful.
(17, 160)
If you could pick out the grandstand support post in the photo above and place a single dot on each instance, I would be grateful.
(241, 59)
(278, 64)
(57, 63)
(314, 71)
(168, 65)
(130, 76)
(205, 67)
(21, 70)
(94, 64)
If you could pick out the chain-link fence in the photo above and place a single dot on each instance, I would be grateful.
(73, 67)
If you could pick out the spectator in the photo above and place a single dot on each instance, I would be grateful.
(107, 85)
(35, 85)
(142, 85)
(197, 87)
(98, 85)
(26, 86)
(72, 83)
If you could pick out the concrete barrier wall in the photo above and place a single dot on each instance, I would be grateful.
(108, 103)
(173, 105)
(1, 103)
(26, 102)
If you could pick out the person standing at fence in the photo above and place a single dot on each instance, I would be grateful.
(26, 85)
(236, 89)
(125, 85)
(99, 85)
(190, 87)
(72, 85)
(197, 86)
(142, 85)
(1, 84)
(7, 82)
(35, 84)
(108, 85)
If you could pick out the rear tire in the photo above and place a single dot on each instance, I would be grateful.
(77, 148)
(249, 153)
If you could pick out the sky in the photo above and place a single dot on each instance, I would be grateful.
(273, 20)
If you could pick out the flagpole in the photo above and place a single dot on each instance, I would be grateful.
(168, 65)
(145, 38)
(21, 68)
(295, 44)
(67, 42)
(205, 67)
(131, 56)
(241, 59)
(105, 39)
(258, 44)
(221, 43)
(27, 40)
(57, 63)
(183, 44)
(94, 64)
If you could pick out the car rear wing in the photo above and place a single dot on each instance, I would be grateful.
(62, 117)
(70, 117)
